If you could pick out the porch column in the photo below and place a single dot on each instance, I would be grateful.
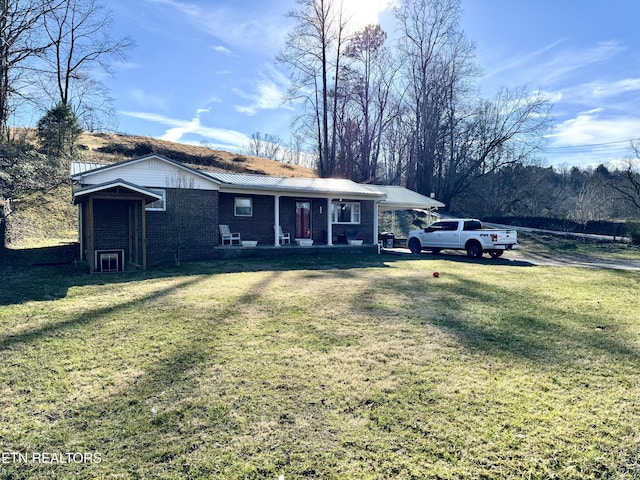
(376, 214)
(144, 235)
(329, 226)
(276, 220)
(91, 254)
(81, 230)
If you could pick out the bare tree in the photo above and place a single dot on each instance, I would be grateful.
(293, 151)
(272, 146)
(428, 28)
(78, 32)
(627, 180)
(367, 94)
(255, 145)
(21, 42)
(507, 130)
(314, 52)
(181, 214)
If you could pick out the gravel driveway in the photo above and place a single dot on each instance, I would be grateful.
(574, 260)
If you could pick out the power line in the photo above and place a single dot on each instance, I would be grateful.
(594, 145)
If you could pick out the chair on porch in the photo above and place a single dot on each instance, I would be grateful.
(282, 237)
(227, 236)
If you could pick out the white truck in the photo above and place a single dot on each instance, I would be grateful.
(462, 234)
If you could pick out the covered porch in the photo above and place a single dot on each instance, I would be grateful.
(113, 225)
(314, 220)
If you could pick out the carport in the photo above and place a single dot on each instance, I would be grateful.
(401, 198)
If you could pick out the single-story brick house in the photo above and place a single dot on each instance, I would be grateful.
(140, 211)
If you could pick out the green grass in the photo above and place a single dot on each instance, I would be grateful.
(343, 367)
(43, 219)
(591, 249)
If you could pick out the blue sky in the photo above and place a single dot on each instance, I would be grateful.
(204, 70)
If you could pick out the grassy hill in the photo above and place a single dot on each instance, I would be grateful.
(111, 147)
(49, 218)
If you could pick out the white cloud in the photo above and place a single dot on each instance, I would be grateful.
(569, 61)
(365, 12)
(550, 65)
(591, 138)
(522, 60)
(235, 27)
(270, 91)
(593, 127)
(602, 89)
(179, 128)
(222, 49)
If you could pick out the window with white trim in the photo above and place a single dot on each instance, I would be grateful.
(158, 205)
(345, 212)
(243, 207)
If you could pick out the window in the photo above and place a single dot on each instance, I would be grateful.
(345, 212)
(109, 260)
(450, 226)
(442, 226)
(472, 225)
(243, 207)
(158, 205)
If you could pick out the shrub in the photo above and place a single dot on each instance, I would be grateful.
(633, 230)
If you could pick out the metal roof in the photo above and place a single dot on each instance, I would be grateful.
(391, 197)
(400, 198)
(78, 168)
(334, 186)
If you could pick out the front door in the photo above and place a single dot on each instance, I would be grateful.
(303, 219)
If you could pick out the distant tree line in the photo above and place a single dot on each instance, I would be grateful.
(409, 112)
(574, 194)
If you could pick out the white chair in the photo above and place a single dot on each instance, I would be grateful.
(227, 236)
(282, 237)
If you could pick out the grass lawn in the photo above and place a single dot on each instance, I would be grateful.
(341, 367)
(553, 245)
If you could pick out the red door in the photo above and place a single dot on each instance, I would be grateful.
(303, 219)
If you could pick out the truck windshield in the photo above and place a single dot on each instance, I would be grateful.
(472, 225)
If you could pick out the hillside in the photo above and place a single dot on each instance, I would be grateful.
(111, 147)
(49, 218)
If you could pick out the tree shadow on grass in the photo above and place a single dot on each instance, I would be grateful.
(88, 318)
(45, 283)
(160, 415)
(459, 257)
(550, 335)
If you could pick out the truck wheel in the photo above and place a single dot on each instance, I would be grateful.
(474, 249)
(496, 253)
(415, 246)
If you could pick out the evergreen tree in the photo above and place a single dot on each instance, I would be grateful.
(59, 131)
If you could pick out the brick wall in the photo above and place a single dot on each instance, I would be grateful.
(111, 224)
(260, 225)
(190, 220)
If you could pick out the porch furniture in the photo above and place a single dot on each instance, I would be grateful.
(227, 236)
(283, 237)
(249, 243)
